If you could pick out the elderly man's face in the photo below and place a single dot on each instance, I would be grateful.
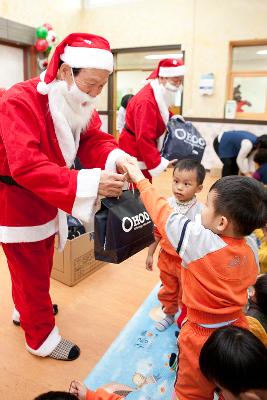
(89, 80)
(175, 81)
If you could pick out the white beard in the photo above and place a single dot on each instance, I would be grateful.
(71, 111)
(71, 104)
(168, 95)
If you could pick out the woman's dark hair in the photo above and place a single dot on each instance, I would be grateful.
(260, 156)
(243, 201)
(125, 100)
(234, 359)
(188, 164)
(261, 142)
(261, 292)
(56, 396)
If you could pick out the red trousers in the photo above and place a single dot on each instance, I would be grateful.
(30, 266)
(170, 293)
(190, 384)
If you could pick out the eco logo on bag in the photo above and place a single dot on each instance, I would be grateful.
(136, 222)
(187, 137)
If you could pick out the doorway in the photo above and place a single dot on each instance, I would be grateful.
(132, 66)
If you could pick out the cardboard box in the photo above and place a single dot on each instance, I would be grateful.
(76, 261)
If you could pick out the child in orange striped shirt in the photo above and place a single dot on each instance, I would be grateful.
(218, 265)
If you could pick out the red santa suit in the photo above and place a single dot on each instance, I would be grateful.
(147, 115)
(37, 189)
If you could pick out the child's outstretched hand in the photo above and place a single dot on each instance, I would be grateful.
(79, 389)
(134, 172)
(149, 263)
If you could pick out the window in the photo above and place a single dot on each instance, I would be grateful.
(248, 79)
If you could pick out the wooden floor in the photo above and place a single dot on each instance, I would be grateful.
(91, 314)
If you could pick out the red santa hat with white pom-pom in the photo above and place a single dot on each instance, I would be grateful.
(78, 50)
(168, 68)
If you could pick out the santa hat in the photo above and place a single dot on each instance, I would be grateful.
(78, 50)
(168, 68)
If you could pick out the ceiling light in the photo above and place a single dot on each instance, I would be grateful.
(262, 52)
(162, 56)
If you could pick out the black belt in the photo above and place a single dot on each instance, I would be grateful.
(8, 180)
(129, 130)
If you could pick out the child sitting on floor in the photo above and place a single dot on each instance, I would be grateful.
(79, 389)
(261, 237)
(236, 362)
(257, 302)
(188, 176)
(56, 396)
(218, 264)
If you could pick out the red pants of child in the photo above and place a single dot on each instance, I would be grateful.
(190, 384)
(170, 293)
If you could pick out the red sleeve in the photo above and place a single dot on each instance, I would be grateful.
(95, 145)
(101, 394)
(145, 116)
(28, 165)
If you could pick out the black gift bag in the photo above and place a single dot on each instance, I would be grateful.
(182, 140)
(122, 228)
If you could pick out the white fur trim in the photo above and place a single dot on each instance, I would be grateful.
(112, 158)
(163, 109)
(62, 229)
(85, 57)
(42, 87)
(15, 315)
(142, 165)
(171, 72)
(86, 194)
(48, 345)
(160, 168)
(26, 234)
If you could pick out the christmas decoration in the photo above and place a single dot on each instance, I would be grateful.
(46, 39)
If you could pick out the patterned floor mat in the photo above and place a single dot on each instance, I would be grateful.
(136, 365)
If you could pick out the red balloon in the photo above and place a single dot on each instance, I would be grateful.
(41, 45)
(48, 26)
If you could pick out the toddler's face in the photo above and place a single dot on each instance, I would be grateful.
(185, 185)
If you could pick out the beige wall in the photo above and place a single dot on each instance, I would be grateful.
(64, 15)
(203, 27)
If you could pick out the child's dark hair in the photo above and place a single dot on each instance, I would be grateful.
(260, 156)
(261, 292)
(56, 396)
(234, 359)
(243, 201)
(191, 165)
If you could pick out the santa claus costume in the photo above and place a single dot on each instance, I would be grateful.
(38, 145)
(147, 115)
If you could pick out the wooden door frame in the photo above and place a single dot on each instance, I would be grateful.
(21, 36)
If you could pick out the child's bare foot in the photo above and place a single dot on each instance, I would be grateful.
(79, 389)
